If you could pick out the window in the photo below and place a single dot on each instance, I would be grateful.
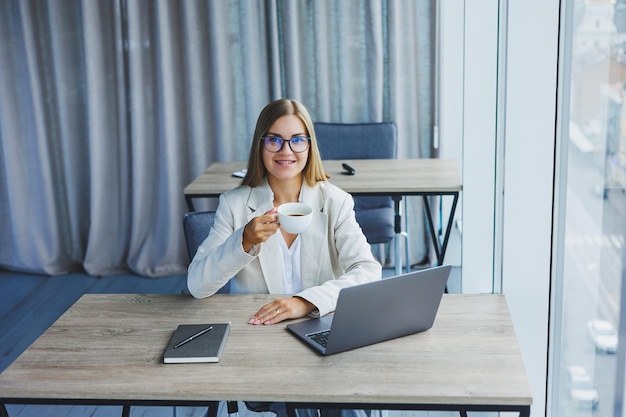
(590, 249)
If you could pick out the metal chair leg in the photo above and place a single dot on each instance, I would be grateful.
(233, 408)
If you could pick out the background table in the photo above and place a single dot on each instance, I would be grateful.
(374, 177)
(107, 349)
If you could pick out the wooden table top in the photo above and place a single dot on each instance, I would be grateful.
(373, 177)
(109, 347)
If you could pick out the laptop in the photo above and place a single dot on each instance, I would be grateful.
(377, 311)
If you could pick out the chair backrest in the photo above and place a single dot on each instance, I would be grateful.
(197, 225)
(357, 140)
(375, 215)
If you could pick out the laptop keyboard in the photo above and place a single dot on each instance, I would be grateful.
(320, 338)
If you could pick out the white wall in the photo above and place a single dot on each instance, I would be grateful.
(529, 160)
(450, 86)
(506, 141)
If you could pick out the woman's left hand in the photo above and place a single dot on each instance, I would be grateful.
(282, 309)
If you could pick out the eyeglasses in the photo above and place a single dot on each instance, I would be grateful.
(297, 144)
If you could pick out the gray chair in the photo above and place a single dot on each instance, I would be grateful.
(344, 141)
(197, 225)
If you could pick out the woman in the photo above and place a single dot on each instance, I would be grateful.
(247, 242)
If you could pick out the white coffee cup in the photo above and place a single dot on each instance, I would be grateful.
(295, 217)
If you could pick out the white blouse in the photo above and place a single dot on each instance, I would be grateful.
(292, 270)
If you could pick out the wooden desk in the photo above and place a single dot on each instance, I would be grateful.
(374, 177)
(107, 349)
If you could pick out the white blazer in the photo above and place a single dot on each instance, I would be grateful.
(334, 251)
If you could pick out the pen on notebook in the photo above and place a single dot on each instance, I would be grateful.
(193, 336)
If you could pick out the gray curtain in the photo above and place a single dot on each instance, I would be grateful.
(108, 109)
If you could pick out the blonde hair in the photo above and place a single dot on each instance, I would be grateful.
(313, 171)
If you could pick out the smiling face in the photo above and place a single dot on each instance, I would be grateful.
(285, 165)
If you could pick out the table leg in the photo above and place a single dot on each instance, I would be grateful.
(440, 248)
(190, 205)
(212, 410)
(405, 234)
(3, 411)
(446, 238)
(525, 412)
(398, 231)
(126, 411)
(291, 410)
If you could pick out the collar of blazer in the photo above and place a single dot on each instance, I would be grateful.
(313, 241)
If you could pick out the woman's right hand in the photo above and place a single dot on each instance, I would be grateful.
(259, 229)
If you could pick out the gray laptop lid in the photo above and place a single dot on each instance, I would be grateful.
(378, 311)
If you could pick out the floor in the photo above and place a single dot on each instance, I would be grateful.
(29, 304)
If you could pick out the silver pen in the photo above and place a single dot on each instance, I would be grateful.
(193, 336)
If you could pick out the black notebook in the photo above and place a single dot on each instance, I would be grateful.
(193, 343)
